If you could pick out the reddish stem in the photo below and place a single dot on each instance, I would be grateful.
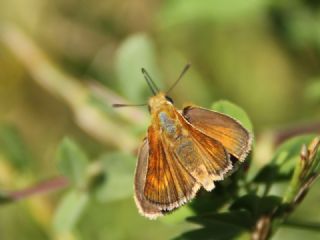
(40, 188)
(283, 135)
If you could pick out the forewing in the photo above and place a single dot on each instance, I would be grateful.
(145, 207)
(233, 136)
(168, 184)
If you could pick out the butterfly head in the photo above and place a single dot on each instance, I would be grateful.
(159, 101)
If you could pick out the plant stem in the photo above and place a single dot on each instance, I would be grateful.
(40, 188)
(285, 134)
(67, 88)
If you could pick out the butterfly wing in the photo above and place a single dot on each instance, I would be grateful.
(182, 161)
(145, 207)
(162, 183)
(204, 157)
(233, 136)
(171, 168)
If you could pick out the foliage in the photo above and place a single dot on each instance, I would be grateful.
(72, 162)
(232, 211)
(62, 66)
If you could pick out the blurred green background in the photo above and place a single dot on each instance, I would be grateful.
(64, 62)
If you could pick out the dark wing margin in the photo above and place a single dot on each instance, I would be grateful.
(228, 131)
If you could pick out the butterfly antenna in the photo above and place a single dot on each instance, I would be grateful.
(185, 69)
(118, 105)
(153, 87)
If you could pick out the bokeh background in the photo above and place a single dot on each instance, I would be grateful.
(64, 62)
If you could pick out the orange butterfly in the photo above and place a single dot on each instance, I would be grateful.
(183, 151)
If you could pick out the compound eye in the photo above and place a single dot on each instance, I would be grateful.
(169, 99)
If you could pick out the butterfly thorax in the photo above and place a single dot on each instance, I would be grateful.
(164, 115)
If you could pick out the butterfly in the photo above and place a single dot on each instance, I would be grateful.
(182, 152)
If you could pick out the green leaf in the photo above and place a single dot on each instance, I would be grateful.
(216, 229)
(234, 111)
(291, 148)
(136, 52)
(240, 218)
(213, 201)
(118, 171)
(178, 216)
(13, 146)
(316, 165)
(256, 205)
(284, 160)
(228, 225)
(304, 175)
(72, 162)
(69, 211)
